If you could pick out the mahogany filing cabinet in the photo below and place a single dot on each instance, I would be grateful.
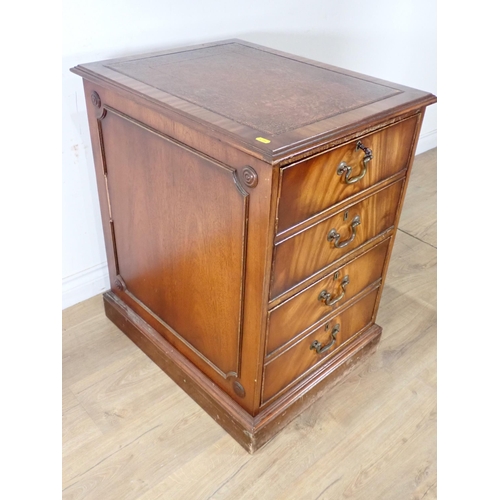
(249, 202)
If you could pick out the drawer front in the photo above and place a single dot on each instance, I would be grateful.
(313, 185)
(310, 305)
(318, 246)
(282, 371)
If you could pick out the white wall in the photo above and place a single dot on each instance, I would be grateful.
(390, 39)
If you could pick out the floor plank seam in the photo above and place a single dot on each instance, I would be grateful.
(427, 490)
(417, 238)
(109, 456)
(328, 487)
(228, 479)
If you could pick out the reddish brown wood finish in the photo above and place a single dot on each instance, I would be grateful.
(170, 261)
(311, 186)
(304, 309)
(309, 251)
(348, 117)
(298, 357)
(216, 170)
(251, 432)
(259, 229)
(295, 94)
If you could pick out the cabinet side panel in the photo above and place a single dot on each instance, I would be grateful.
(179, 223)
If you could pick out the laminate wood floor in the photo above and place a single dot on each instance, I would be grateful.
(131, 433)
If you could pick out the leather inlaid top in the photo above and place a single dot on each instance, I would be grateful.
(268, 103)
(265, 91)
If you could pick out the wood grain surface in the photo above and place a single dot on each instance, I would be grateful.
(146, 163)
(169, 259)
(299, 358)
(309, 251)
(313, 185)
(255, 91)
(305, 309)
(130, 433)
(292, 94)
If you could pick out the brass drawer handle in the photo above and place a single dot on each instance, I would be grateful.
(345, 168)
(326, 297)
(335, 237)
(321, 349)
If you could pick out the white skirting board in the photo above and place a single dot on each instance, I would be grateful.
(85, 284)
(95, 280)
(427, 141)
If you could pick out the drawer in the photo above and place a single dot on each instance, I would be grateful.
(316, 247)
(310, 305)
(297, 360)
(313, 185)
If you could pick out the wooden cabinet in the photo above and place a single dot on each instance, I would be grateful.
(249, 202)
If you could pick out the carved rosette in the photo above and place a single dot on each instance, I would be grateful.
(120, 284)
(250, 177)
(96, 101)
